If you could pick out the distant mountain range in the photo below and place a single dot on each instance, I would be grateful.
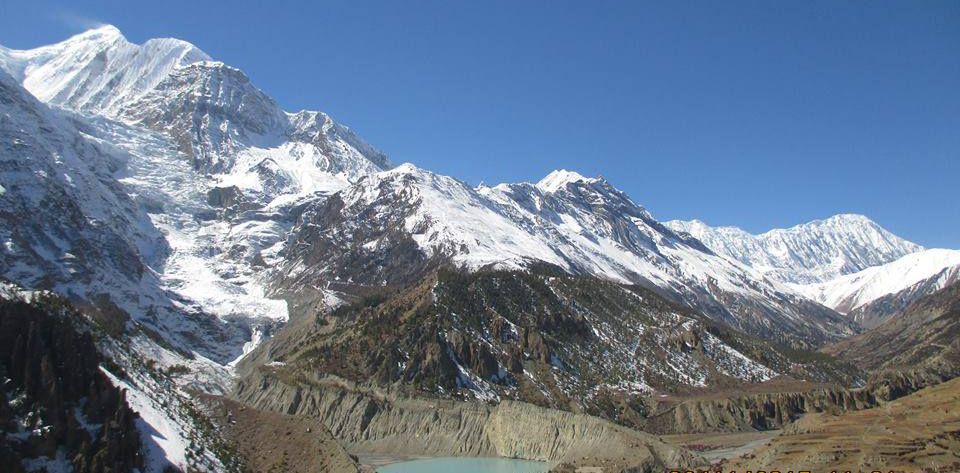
(810, 253)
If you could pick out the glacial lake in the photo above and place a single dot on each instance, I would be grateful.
(466, 465)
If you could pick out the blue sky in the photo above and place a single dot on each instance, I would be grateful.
(755, 114)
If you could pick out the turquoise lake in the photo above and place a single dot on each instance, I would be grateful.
(466, 465)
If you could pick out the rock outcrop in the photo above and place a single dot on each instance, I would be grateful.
(57, 408)
(761, 411)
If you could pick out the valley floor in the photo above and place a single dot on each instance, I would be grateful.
(722, 445)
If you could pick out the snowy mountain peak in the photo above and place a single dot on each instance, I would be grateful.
(560, 178)
(215, 115)
(848, 218)
(808, 253)
(407, 168)
(97, 71)
(839, 222)
(100, 33)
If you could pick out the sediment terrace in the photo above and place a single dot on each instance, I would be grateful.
(368, 421)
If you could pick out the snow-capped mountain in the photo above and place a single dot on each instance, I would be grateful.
(97, 71)
(912, 276)
(195, 167)
(153, 184)
(388, 226)
(212, 111)
(808, 253)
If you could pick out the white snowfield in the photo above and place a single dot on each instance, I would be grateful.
(851, 291)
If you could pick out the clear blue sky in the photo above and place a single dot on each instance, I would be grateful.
(756, 114)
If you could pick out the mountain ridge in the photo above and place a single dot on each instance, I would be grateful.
(583, 227)
(807, 253)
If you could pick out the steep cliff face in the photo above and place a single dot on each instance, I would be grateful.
(777, 407)
(762, 411)
(374, 421)
(57, 408)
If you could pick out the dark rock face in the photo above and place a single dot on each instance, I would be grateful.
(210, 110)
(224, 197)
(56, 403)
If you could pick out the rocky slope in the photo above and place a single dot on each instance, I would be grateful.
(776, 404)
(925, 333)
(277, 442)
(809, 253)
(67, 224)
(58, 411)
(915, 349)
(569, 342)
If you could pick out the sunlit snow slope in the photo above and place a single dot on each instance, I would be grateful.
(851, 291)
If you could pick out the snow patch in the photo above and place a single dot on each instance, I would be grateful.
(560, 178)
